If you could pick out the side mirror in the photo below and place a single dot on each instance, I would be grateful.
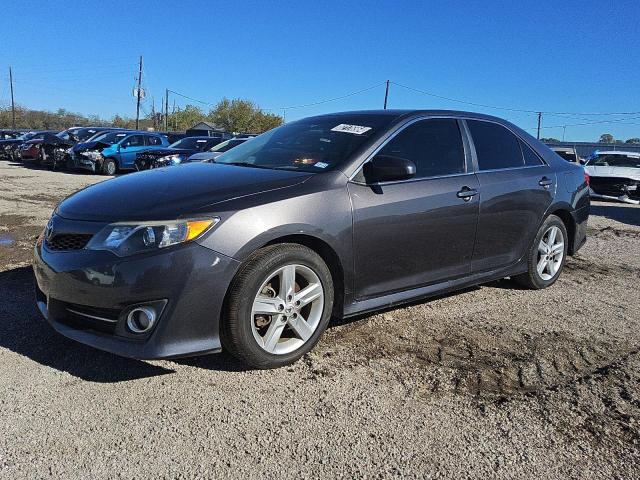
(386, 168)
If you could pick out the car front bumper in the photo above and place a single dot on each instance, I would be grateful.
(86, 296)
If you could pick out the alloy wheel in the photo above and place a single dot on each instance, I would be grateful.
(550, 253)
(287, 309)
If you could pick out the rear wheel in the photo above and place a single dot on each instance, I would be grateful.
(109, 166)
(547, 255)
(278, 306)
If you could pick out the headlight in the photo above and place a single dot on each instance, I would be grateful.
(172, 159)
(129, 238)
(92, 155)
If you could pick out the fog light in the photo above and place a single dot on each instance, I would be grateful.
(141, 319)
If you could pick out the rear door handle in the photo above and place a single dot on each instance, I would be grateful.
(467, 193)
(545, 182)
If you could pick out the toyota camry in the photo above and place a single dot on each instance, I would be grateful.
(329, 216)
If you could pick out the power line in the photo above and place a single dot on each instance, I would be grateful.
(329, 99)
(509, 109)
(290, 107)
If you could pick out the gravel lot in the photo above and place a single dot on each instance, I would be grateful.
(491, 382)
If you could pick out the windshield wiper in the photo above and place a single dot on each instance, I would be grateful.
(244, 164)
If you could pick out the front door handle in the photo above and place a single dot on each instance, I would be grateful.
(467, 193)
(545, 182)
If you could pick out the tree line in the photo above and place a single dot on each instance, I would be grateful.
(237, 115)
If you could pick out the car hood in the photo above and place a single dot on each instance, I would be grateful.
(170, 193)
(97, 145)
(618, 172)
(50, 139)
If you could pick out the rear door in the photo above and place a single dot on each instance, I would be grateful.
(418, 231)
(516, 188)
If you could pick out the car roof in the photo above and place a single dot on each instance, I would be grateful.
(406, 113)
(617, 152)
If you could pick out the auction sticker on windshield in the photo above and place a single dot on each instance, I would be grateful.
(355, 129)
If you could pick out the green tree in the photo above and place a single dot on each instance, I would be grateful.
(183, 119)
(549, 140)
(633, 140)
(242, 116)
(606, 138)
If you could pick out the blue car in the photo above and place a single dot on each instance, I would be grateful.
(115, 151)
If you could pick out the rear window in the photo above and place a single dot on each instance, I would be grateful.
(615, 160)
(496, 147)
(530, 157)
(568, 156)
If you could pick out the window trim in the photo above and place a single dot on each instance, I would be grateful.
(476, 165)
(401, 128)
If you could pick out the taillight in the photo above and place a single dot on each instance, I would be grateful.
(586, 178)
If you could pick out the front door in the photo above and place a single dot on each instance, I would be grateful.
(419, 231)
(129, 148)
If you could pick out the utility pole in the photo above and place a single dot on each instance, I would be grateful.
(138, 93)
(173, 114)
(564, 130)
(539, 121)
(386, 95)
(153, 111)
(166, 110)
(13, 105)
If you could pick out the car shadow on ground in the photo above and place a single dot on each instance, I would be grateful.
(23, 331)
(612, 211)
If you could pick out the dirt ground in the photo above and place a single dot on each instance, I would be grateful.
(494, 381)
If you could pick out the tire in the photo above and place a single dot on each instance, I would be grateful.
(39, 157)
(109, 166)
(248, 335)
(555, 257)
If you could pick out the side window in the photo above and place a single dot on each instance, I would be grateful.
(496, 147)
(435, 146)
(530, 157)
(152, 140)
(133, 141)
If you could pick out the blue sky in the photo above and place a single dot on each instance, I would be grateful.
(568, 56)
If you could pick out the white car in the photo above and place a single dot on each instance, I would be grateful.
(615, 175)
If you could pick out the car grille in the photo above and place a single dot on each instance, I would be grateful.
(67, 241)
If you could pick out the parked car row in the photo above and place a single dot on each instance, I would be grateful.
(109, 150)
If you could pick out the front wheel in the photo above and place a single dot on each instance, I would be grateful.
(109, 166)
(546, 256)
(278, 306)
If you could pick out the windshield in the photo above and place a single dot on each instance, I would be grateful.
(109, 137)
(63, 135)
(194, 143)
(312, 145)
(27, 136)
(569, 156)
(615, 160)
(84, 134)
(227, 145)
